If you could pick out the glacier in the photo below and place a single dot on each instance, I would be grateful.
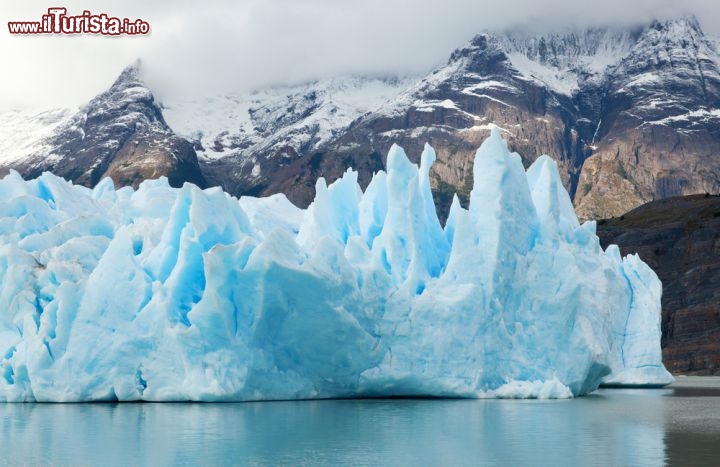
(165, 294)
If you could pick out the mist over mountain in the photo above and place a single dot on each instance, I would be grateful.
(233, 46)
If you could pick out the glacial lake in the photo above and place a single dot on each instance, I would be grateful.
(679, 425)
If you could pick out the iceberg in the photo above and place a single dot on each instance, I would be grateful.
(165, 294)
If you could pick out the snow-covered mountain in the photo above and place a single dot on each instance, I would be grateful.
(24, 132)
(660, 131)
(244, 135)
(121, 133)
(303, 116)
(543, 92)
(251, 135)
(631, 115)
(568, 62)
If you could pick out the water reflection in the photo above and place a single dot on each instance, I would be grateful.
(692, 427)
(612, 427)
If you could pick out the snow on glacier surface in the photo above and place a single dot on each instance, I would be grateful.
(188, 294)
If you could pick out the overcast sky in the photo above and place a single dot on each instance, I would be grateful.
(217, 46)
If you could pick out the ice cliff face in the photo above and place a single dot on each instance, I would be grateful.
(185, 294)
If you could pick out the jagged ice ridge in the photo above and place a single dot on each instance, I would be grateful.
(186, 294)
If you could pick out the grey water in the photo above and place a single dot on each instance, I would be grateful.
(679, 425)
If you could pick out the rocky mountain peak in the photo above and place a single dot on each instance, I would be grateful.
(483, 55)
(120, 133)
(130, 76)
(129, 98)
(677, 38)
(672, 69)
(659, 134)
(674, 40)
(678, 27)
(479, 44)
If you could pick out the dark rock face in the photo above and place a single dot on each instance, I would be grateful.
(453, 110)
(680, 239)
(120, 134)
(660, 131)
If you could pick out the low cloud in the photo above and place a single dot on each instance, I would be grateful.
(224, 46)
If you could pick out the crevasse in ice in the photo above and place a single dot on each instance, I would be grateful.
(188, 294)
